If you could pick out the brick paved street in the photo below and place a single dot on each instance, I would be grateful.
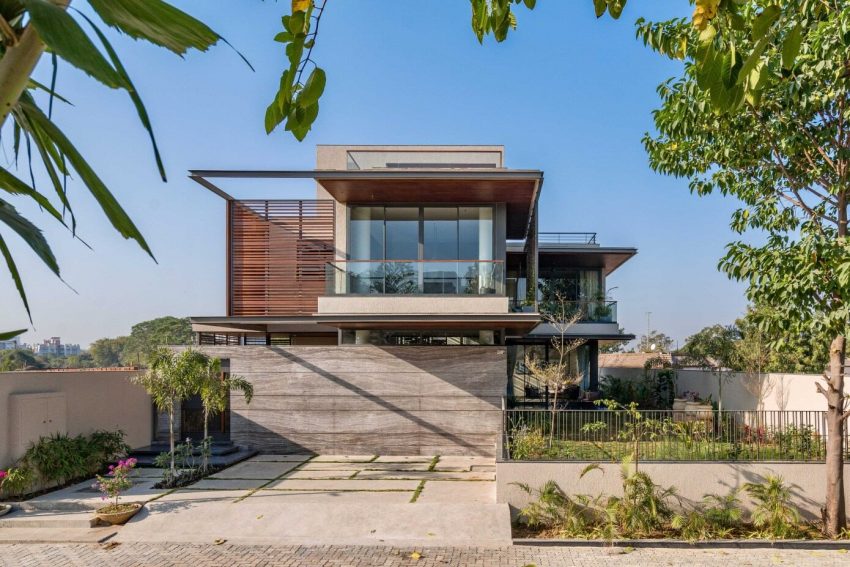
(160, 555)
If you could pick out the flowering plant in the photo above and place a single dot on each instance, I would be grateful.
(15, 481)
(117, 480)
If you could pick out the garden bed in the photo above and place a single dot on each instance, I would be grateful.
(188, 477)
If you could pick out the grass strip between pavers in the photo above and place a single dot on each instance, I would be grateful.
(433, 466)
(417, 492)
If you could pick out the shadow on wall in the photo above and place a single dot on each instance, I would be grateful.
(366, 399)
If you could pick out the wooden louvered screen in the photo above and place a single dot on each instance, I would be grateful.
(278, 251)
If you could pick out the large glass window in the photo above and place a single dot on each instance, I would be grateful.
(367, 233)
(402, 233)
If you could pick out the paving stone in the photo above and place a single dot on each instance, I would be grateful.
(279, 458)
(320, 474)
(453, 463)
(329, 498)
(343, 485)
(396, 466)
(256, 470)
(404, 459)
(452, 492)
(427, 475)
(344, 458)
(162, 554)
(323, 466)
(227, 484)
(184, 495)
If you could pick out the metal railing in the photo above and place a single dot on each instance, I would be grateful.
(566, 238)
(665, 435)
(415, 277)
(589, 311)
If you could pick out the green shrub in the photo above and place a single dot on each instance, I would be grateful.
(527, 444)
(773, 513)
(15, 481)
(717, 518)
(61, 458)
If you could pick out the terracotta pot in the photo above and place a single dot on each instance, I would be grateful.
(5, 509)
(679, 404)
(118, 518)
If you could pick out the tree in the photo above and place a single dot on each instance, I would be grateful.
(784, 152)
(715, 348)
(557, 374)
(171, 378)
(20, 359)
(108, 352)
(654, 342)
(147, 336)
(214, 389)
(609, 347)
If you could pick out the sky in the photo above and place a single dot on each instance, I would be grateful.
(566, 93)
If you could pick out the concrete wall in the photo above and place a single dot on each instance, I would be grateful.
(769, 391)
(691, 480)
(87, 399)
(368, 399)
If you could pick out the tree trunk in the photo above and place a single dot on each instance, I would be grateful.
(206, 436)
(17, 66)
(834, 517)
(171, 436)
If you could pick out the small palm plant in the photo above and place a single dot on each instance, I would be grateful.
(171, 378)
(214, 389)
(774, 513)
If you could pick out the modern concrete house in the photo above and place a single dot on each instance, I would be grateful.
(392, 313)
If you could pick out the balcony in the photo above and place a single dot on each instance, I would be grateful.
(589, 311)
(584, 238)
(415, 277)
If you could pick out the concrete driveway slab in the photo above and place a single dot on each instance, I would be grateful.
(453, 463)
(281, 458)
(454, 492)
(342, 485)
(325, 466)
(426, 475)
(330, 498)
(344, 458)
(227, 484)
(321, 474)
(184, 495)
(256, 470)
(403, 459)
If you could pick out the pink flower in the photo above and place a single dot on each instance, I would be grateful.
(2, 474)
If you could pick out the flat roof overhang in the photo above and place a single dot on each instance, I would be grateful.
(518, 189)
(513, 323)
(607, 259)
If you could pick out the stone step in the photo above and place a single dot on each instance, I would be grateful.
(45, 519)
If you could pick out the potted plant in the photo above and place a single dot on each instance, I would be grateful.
(112, 485)
(13, 483)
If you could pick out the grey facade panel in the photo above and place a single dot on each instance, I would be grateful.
(368, 399)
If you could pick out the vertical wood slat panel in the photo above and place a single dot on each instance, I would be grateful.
(278, 253)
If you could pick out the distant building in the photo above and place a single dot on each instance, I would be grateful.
(10, 345)
(54, 347)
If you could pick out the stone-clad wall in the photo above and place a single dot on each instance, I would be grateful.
(368, 399)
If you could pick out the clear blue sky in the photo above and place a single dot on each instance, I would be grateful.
(566, 94)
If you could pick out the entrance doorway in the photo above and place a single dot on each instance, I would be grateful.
(192, 422)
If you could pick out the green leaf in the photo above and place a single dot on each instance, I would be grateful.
(66, 39)
(9, 335)
(530, 4)
(116, 215)
(16, 276)
(13, 185)
(752, 60)
(764, 20)
(615, 8)
(134, 95)
(157, 22)
(791, 47)
(313, 88)
(600, 6)
(30, 233)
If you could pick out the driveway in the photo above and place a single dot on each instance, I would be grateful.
(333, 499)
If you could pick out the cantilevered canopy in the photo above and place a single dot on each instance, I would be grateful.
(518, 189)
(513, 323)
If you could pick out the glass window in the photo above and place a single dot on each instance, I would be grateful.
(402, 233)
(440, 231)
(475, 233)
(366, 233)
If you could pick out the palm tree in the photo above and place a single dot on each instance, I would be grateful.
(214, 389)
(171, 378)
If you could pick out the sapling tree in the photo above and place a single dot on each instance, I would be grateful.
(214, 389)
(556, 373)
(171, 378)
(784, 153)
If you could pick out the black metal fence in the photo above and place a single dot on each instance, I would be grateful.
(610, 435)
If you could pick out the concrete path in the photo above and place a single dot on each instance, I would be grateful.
(165, 555)
(333, 499)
